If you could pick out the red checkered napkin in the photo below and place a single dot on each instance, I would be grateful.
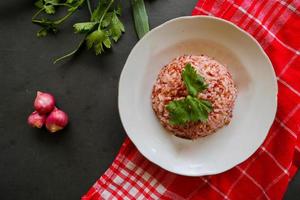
(266, 174)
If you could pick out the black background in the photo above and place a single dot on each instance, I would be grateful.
(33, 163)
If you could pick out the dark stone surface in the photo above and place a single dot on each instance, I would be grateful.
(33, 163)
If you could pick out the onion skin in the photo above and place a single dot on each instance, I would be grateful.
(56, 120)
(44, 102)
(36, 120)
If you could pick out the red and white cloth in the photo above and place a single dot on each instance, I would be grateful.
(266, 174)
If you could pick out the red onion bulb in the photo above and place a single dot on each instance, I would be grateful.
(36, 120)
(44, 102)
(56, 120)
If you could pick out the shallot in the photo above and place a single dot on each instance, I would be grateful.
(36, 120)
(44, 102)
(56, 120)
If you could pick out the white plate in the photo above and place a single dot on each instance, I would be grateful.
(253, 113)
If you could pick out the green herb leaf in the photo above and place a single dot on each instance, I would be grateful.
(107, 20)
(116, 27)
(99, 11)
(39, 4)
(96, 39)
(49, 9)
(119, 9)
(140, 17)
(51, 1)
(96, 15)
(70, 1)
(193, 82)
(107, 43)
(190, 109)
(84, 27)
(42, 32)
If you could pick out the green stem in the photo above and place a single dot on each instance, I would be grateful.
(39, 21)
(61, 4)
(64, 18)
(104, 13)
(71, 53)
(56, 22)
(42, 9)
(37, 13)
(89, 6)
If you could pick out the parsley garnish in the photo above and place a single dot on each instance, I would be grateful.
(194, 83)
(190, 109)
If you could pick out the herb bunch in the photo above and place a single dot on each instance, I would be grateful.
(49, 7)
(103, 27)
(191, 108)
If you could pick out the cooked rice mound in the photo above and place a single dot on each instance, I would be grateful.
(221, 92)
